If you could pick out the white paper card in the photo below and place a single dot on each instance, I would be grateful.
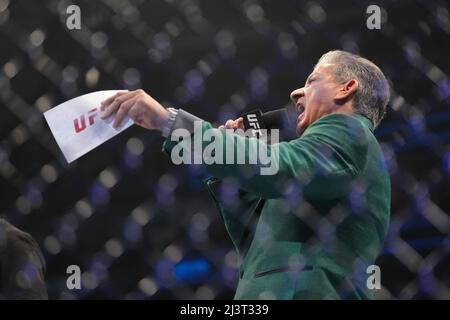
(77, 126)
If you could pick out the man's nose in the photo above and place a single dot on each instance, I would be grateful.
(297, 94)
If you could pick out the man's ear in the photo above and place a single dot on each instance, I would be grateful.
(347, 90)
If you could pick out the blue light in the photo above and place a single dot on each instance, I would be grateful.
(192, 271)
(132, 231)
(98, 194)
(446, 162)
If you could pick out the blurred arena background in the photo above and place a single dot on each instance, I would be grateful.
(142, 228)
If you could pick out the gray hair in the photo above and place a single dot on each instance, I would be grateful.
(373, 94)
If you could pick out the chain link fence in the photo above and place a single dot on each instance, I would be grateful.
(142, 228)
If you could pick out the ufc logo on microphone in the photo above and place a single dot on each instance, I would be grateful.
(253, 122)
(79, 123)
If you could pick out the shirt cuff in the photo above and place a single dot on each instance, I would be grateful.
(167, 130)
(179, 119)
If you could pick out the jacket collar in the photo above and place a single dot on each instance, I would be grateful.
(367, 123)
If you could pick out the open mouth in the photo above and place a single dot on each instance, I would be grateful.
(300, 109)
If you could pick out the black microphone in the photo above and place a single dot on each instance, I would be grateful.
(282, 119)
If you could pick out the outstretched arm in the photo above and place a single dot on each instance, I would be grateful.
(323, 162)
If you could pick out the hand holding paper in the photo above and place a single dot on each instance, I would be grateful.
(77, 126)
(139, 106)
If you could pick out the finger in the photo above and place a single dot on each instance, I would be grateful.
(107, 110)
(235, 124)
(119, 97)
(115, 104)
(240, 123)
(229, 124)
(123, 112)
(221, 127)
(108, 101)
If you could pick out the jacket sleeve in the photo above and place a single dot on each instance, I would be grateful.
(322, 162)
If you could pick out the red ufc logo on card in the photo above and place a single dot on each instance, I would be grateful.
(77, 127)
(79, 123)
